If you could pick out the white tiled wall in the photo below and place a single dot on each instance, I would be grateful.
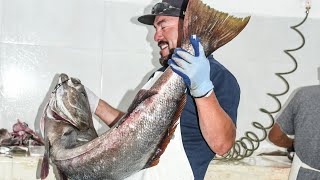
(101, 43)
(40, 39)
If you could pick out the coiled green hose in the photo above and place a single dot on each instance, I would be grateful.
(245, 146)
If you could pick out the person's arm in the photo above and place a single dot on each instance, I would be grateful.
(102, 109)
(216, 126)
(284, 125)
(107, 113)
(279, 138)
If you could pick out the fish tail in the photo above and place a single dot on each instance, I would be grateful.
(214, 28)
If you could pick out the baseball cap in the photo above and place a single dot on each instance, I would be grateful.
(175, 8)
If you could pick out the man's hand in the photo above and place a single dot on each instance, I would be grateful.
(93, 100)
(195, 70)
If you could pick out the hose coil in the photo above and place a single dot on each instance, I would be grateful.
(245, 146)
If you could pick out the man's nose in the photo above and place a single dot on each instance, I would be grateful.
(157, 36)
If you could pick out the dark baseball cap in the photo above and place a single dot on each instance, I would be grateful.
(175, 8)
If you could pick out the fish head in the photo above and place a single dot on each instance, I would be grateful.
(69, 102)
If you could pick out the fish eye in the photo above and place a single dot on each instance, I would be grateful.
(67, 132)
(75, 81)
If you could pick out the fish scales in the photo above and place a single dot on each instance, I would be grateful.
(125, 148)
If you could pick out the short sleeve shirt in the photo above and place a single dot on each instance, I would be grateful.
(301, 118)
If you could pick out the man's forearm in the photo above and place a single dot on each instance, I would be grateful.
(216, 126)
(283, 141)
(107, 113)
(279, 138)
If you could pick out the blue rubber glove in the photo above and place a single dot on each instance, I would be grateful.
(195, 70)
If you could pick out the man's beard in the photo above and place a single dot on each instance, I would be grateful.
(164, 59)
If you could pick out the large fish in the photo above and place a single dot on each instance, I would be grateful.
(134, 143)
(142, 135)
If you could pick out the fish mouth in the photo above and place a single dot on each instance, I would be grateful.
(56, 116)
(68, 102)
(80, 125)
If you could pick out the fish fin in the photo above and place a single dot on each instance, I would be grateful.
(45, 161)
(61, 175)
(213, 27)
(45, 165)
(163, 146)
(181, 105)
(141, 96)
(154, 160)
(117, 124)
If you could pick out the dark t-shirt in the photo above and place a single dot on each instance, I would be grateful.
(227, 91)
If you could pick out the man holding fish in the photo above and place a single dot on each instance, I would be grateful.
(207, 123)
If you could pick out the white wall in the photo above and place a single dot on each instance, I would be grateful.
(101, 43)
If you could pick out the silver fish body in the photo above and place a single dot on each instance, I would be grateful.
(129, 146)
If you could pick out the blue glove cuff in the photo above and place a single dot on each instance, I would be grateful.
(202, 90)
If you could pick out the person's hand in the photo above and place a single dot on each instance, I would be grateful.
(195, 70)
(291, 151)
(93, 100)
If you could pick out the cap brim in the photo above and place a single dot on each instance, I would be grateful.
(149, 18)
